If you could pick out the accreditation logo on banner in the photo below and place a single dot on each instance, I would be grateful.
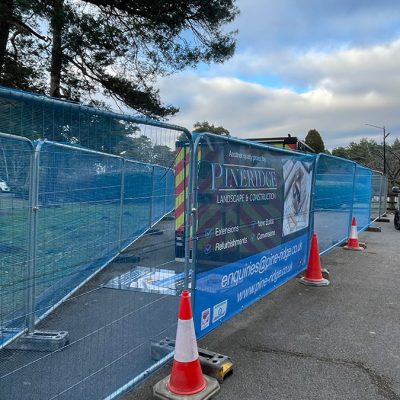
(251, 201)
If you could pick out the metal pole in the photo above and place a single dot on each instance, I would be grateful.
(371, 181)
(311, 217)
(384, 151)
(32, 242)
(121, 205)
(165, 192)
(385, 135)
(352, 198)
(151, 198)
(188, 213)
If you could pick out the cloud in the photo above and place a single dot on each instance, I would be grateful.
(268, 25)
(344, 90)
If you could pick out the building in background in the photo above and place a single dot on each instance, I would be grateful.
(286, 142)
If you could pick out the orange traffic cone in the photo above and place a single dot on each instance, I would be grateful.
(313, 275)
(186, 378)
(353, 243)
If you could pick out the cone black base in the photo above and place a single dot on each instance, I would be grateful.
(307, 282)
(161, 391)
(361, 247)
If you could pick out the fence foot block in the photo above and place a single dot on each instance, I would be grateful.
(169, 217)
(160, 349)
(41, 341)
(374, 228)
(216, 365)
(127, 258)
(154, 231)
(213, 364)
(382, 220)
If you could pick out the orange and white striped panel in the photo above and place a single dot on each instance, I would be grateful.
(181, 183)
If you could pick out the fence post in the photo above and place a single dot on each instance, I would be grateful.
(371, 185)
(352, 198)
(165, 191)
(151, 198)
(121, 205)
(191, 211)
(311, 217)
(32, 240)
(354, 191)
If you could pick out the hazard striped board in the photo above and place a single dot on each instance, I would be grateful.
(181, 183)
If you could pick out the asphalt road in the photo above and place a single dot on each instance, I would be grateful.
(110, 334)
(340, 342)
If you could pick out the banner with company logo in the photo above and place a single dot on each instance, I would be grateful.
(253, 226)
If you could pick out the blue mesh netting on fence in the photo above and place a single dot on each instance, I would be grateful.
(90, 206)
(362, 197)
(333, 200)
(16, 155)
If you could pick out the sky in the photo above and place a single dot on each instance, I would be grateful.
(330, 65)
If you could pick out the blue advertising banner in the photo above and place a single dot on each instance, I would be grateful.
(253, 218)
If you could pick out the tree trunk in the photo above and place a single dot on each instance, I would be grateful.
(6, 10)
(56, 25)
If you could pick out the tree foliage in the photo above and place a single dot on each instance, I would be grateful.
(21, 46)
(210, 128)
(141, 148)
(314, 140)
(205, 126)
(369, 153)
(118, 47)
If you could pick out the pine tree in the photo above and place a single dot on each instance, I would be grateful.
(210, 128)
(117, 47)
(314, 140)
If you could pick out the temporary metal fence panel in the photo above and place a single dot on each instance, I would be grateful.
(40, 117)
(253, 213)
(362, 197)
(88, 206)
(16, 156)
(78, 228)
(333, 201)
(376, 195)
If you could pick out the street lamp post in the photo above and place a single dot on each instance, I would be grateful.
(385, 135)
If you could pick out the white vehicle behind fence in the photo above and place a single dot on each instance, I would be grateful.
(3, 186)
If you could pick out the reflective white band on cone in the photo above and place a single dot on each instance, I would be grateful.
(353, 232)
(185, 344)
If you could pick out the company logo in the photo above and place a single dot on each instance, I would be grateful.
(239, 177)
(219, 310)
(205, 318)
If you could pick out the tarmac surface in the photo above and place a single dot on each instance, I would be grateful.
(110, 333)
(338, 342)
